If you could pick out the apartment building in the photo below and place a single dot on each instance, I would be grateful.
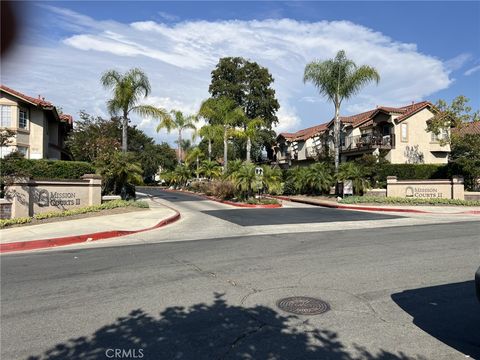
(400, 133)
(40, 131)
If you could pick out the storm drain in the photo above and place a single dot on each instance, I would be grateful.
(303, 305)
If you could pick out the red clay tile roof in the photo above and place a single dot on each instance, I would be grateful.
(469, 128)
(363, 119)
(41, 102)
(305, 133)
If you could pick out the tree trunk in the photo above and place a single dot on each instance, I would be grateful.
(336, 135)
(179, 146)
(209, 149)
(225, 150)
(198, 174)
(124, 132)
(249, 148)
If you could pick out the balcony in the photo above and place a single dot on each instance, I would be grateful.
(368, 142)
(283, 158)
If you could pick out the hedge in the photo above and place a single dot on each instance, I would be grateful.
(46, 169)
(414, 171)
(88, 209)
(407, 201)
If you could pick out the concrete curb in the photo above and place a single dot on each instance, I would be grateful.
(371, 208)
(232, 203)
(76, 239)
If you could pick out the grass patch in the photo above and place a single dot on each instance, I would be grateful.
(407, 201)
(262, 201)
(65, 213)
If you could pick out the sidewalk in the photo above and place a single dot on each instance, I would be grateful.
(441, 210)
(88, 229)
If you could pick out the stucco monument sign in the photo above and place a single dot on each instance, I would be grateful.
(29, 197)
(426, 189)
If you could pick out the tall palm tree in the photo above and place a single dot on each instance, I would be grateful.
(224, 112)
(251, 132)
(339, 79)
(128, 89)
(194, 155)
(180, 122)
(211, 133)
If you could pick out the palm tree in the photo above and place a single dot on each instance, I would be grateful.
(339, 79)
(356, 173)
(128, 89)
(224, 112)
(318, 178)
(211, 133)
(272, 179)
(233, 167)
(194, 155)
(251, 132)
(297, 175)
(180, 122)
(210, 169)
(182, 174)
(245, 179)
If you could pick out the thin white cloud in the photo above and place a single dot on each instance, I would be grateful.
(458, 61)
(178, 59)
(472, 70)
(167, 16)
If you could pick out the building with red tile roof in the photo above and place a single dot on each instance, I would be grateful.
(400, 133)
(472, 128)
(40, 130)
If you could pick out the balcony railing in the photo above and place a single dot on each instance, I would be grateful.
(367, 142)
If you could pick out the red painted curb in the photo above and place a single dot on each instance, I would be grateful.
(348, 207)
(68, 240)
(266, 206)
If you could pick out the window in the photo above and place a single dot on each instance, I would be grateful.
(23, 119)
(23, 150)
(6, 116)
(404, 132)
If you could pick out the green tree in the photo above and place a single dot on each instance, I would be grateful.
(210, 169)
(355, 173)
(297, 176)
(180, 122)
(181, 175)
(454, 115)
(465, 157)
(249, 85)
(193, 157)
(318, 178)
(128, 89)
(210, 133)
(233, 167)
(245, 179)
(339, 79)
(272, 179)
(224, 112)
(119, 172)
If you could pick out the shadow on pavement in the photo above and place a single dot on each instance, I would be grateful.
(281, 216)
(217, 331)
(450, 313)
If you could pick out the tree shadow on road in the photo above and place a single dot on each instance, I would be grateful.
(216, 331)
(450, 313)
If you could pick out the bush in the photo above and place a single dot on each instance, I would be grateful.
(93, 208)
(223, 189)
(46, 169)
(413, 171)
(262, 201)
(407, 201)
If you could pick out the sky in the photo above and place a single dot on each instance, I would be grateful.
(423, 51)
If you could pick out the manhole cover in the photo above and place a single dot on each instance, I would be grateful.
(303, 305)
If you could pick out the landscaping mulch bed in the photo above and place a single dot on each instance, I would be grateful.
(115, 211)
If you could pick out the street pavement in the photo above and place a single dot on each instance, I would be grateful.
(207, 287)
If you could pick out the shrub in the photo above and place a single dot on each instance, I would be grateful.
(87, 209)
(407, 201)
(262, 201)
(223, 189)
(46, 169)
(414, 171)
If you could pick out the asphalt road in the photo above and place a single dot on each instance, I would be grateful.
(395, 292)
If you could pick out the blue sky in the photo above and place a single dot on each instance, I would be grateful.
(423, 51)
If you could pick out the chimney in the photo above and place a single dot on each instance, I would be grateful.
(39, 96)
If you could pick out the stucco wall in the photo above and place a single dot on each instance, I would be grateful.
(418, 147)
